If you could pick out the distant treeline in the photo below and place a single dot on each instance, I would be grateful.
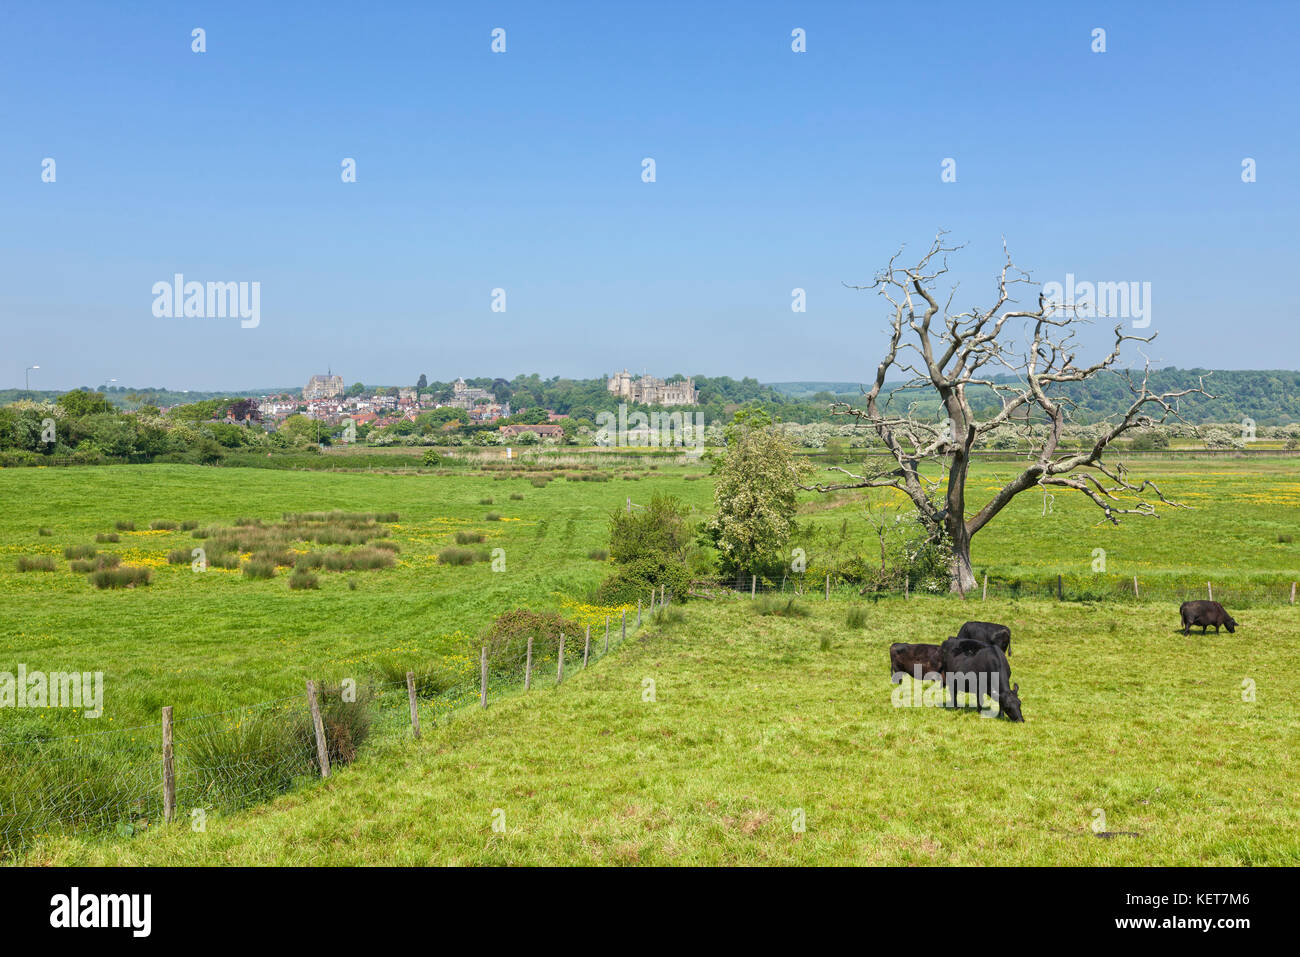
(1269, 397)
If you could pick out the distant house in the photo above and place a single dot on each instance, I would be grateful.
(541, 431)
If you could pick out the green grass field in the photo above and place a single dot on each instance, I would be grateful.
(753, 719)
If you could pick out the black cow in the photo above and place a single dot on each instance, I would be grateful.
(971, 665)
(905, 658)
(1205, 613)
(989, 632)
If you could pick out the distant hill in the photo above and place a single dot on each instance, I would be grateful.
(1269, 396)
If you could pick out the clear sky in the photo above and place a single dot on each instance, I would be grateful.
(523, 171)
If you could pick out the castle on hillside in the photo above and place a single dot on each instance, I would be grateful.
(323, 387)
(652, 391)
(467, 396)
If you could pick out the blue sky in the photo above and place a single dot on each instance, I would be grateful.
(522, 171)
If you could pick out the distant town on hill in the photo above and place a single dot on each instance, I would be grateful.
(1269, 397)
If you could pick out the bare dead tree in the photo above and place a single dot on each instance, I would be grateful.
(944, 353)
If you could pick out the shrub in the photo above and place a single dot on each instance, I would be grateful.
(470, 538)
(44, 531)
(84, 565)
(539, 481)
(302, 579)
(492, 517)
(35, 563)
(103, 537)
(347, 725)
(361, 559)
(310, 560)
(485, 501)
(189, 525)
(178, 556)
(857, 617)
(507, 637)
(258, 568)
(164, 525)
(516, 496)
(124, 526)
(1285, 539)
(128, 576)
(386, 545)
(80, 551)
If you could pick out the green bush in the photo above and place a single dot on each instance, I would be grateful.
(470, 538)
(35, 563)
(164, 525)
(857, 617)
(105, 537)
(80, 551)
(492, 517)
(507, 638)
(124, 526)
(178, 556)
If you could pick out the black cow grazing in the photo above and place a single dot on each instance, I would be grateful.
(982, 668)
(1205, 613)
(989, 632)
(904, 658)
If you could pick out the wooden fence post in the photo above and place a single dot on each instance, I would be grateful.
(783, 584)
(482, 687)
(638, 612)
(907, 585)
(1060, 591)
(169, 767)
(984, 595)
(322, 752)
(528, 665)
(661, 595)
(753, 585)
(1135, 587)
(1293, 593)
(1209, 589)
(625, 624)
(607, 634)
(586, 647)
(415, 713)
(559, 672)
(828, 587)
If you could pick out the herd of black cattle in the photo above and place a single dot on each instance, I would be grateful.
(975, 661)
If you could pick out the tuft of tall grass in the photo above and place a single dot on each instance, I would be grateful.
(124, 526)
(781, 608)
(164, 525)
(178, 556)
(258, 568)
(302, 580)
(456, 556)
(485, 501)
(43, 531)
(84, 566)
(470, 538)
(598, 554)
(35, 563)
(516, 496)
(80, 551)
(857, 617)
(492, 517)
(108, 537)
(127, 576)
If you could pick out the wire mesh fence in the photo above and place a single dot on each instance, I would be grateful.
(991, 586)
(127, 781)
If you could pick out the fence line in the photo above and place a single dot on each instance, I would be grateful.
(182, 767)
(1100, 587)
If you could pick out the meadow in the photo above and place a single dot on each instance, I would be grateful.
(756, 716)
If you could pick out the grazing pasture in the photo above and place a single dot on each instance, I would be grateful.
(757, 714)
